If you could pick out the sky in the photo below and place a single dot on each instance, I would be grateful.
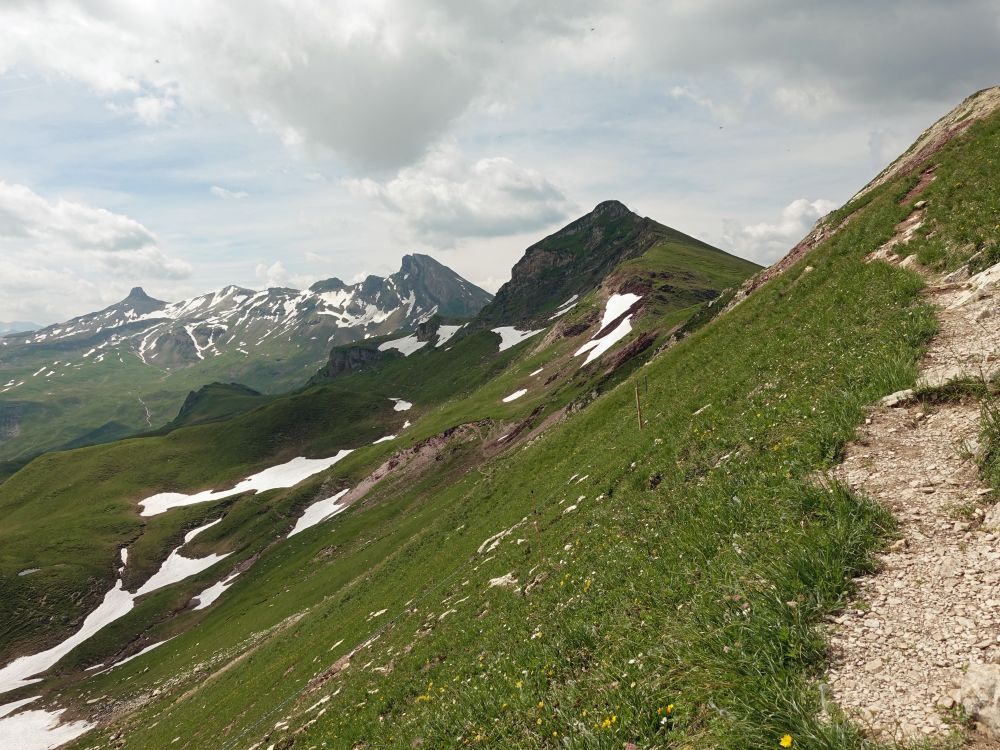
(184, 146)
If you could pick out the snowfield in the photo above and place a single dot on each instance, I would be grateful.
(36, 729)
(276, 477)
(446, 332)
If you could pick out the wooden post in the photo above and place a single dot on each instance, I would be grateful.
(638, 409)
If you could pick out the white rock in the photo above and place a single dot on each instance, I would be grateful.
(979, 694)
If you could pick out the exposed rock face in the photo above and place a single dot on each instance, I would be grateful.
(351, 359)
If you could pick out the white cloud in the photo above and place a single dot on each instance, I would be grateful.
(447, 197)
(276, 275)
(153, 109)
(58, 250)
(766, 242)
(228, 195)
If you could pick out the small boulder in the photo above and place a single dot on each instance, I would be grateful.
(960, 274)
(508, 581)
(899, 398)
(979, 694)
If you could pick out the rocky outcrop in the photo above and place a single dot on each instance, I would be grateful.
(344, 359)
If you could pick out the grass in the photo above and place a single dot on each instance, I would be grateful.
(963, 202)
(685, 615)
(702, 594)
(990, 458)
(79, 506)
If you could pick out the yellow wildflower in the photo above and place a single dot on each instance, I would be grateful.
(786, 741)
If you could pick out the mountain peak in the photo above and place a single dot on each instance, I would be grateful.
(138, 294)
(328, 285)
(140, 301)
(418, 262)
(610, 209)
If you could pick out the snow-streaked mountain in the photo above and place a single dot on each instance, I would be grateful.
(234, 319)
(129, 366)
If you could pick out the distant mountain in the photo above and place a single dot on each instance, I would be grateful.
(18, 326)
(133, 362)
(170, 335)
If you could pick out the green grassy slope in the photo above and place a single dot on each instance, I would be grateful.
(675, 606)
(686, 569)
(130, 393)
(670, 580)
(217, 401)
(69, 513)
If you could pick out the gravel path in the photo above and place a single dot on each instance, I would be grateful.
(898, 655)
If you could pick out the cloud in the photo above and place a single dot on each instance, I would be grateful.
(228, 195)
(153, 109)
(65, 250)
(765, 242)
(276, 275)
(376, 81)
(447, 197)
(814, 57)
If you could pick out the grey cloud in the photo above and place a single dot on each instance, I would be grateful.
(875, 53)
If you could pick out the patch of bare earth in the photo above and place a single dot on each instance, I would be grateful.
(903, 655)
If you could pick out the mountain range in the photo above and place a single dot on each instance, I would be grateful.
(129, 366)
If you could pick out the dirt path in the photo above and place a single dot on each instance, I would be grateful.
(900, 653)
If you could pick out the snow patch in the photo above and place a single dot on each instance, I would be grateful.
(406, 345)
(319, 512)
(39, 729)
(618, 305)
(213, 592)
(565, 307)
(401, 405)
(515, 395)
(510, 336)
(136, 655)
(446, 332)
(385, 439)
(276, 477)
